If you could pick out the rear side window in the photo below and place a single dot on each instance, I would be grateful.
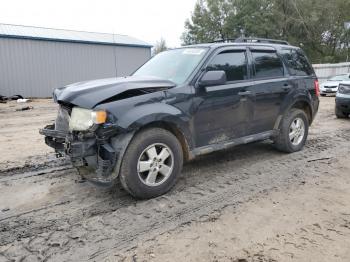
(267, 64)
(234, 63)
(297, 62)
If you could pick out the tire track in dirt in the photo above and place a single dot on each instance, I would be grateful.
(93, 222)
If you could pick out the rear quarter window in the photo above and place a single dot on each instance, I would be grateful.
(297, 62)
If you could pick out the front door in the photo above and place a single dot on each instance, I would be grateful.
(222, 112)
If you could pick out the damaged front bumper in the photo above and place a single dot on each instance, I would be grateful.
(96, 154)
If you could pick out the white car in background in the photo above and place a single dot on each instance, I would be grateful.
(332, 84)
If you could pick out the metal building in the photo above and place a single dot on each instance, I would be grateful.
(34, 61)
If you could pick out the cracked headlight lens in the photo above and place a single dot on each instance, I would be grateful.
(82, 119)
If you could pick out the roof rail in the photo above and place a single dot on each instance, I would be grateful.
(260, 40)
(227, 40)
(252, 40)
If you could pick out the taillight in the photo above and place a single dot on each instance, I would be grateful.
(317, 88)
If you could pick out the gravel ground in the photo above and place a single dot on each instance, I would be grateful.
(250, 203)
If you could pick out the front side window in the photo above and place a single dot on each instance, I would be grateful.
(234, 63)
(175, 65)
(267, 64)
(297, 62)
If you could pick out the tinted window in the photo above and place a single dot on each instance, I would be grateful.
(234, 63)
(267, 64)
(297, 62)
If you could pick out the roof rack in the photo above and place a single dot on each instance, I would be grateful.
(252, 40)
(260, 40)
(227, 40)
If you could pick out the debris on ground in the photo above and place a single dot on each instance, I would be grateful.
(3, 99)
(319, 159)
(16, 97)
(25, 108)
(23, 100)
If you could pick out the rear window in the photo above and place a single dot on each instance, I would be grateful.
(297, 62)
(267, 64)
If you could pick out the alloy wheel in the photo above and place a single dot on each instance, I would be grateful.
(155, 164)
(297, 131)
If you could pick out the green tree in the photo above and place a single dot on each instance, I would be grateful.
(315, 25)
(209, 22)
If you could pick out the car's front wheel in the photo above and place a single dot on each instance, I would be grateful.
(293, 131)
(151, 163)
(339, 113)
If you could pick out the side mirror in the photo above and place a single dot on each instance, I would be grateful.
(213, 78)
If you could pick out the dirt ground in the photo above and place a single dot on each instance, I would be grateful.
(249, 203)
(20, 143)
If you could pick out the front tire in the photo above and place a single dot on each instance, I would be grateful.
(293, 132)
(151, 164)
(339, 113)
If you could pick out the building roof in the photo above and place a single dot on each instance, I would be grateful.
(62, 35)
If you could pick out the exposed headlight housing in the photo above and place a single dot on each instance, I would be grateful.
(82, 119)
(344, 89)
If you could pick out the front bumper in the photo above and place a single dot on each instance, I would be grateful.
(330, 90)
(342, 102)
(97, 155)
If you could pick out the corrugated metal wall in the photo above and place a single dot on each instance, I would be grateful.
(324, 71)
(34, 68)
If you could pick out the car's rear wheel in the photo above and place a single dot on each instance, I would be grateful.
(151, 163)
(293, 132)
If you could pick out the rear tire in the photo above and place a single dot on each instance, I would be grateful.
(151, 164)
(293, 131)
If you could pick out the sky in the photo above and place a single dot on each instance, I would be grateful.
(148, 20)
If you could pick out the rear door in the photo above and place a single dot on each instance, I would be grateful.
(271, 85)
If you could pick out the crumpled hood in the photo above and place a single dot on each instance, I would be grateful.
(91, 93)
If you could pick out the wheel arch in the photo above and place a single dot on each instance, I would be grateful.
(302, 104)
(176, 131)
(305, 106)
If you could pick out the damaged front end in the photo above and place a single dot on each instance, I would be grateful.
(86, 128)
(93, 143)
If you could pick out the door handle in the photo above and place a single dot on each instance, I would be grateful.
(245, 93)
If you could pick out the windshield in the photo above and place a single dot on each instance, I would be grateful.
(174, 65)
(340, 78)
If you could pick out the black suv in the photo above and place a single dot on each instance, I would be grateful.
(181, 104)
